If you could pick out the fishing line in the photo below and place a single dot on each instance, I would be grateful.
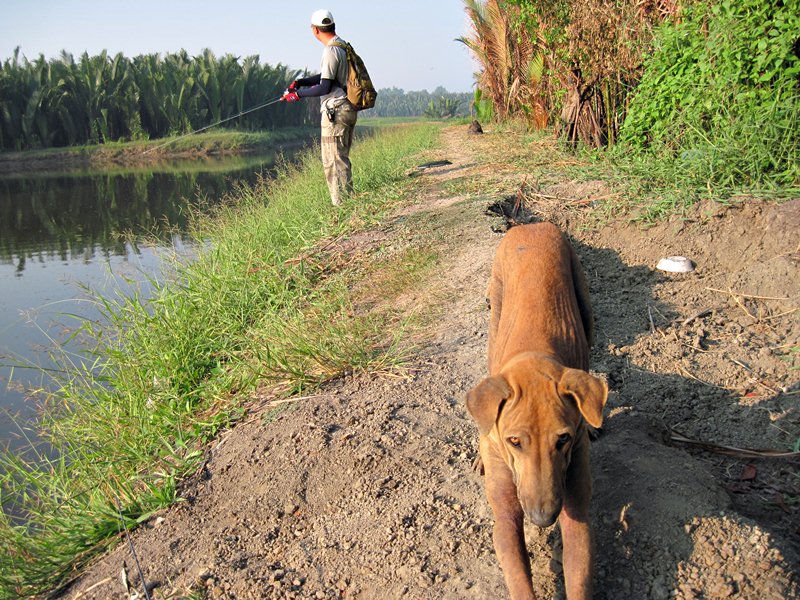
(135, 558)
(244, 112)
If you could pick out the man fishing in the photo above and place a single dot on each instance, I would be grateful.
(338, 115)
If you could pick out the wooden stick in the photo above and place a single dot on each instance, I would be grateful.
(756, 378)
(314, 250)
(743, 307)
(783, 314)
(697, 315)
(549, 197)
(290, 400)
(684, 344)
(603, 197)
(688, 373)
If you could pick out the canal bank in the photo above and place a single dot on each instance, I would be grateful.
(151, 152)
(70, 237)
(252, 309)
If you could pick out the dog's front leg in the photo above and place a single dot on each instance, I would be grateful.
(576, 533)
(508, 533)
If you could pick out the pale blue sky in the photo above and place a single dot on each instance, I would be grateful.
(407, 44)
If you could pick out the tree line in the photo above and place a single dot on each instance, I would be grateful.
(96, 99)
(395, 102)
(103, 98)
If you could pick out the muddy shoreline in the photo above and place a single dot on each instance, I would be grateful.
(38, 161)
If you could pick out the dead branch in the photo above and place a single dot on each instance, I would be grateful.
(90, 588)
(756, 378)
(783, 314)
(674, 436)
(684, 371)
(315, 250)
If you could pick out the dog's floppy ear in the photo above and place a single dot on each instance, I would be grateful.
(589, 392)
(483, 401)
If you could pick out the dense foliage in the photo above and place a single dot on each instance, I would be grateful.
(721, 96)
(569, 62)
(105, 98)
(511, 55)
(98, 99)
(707, 91)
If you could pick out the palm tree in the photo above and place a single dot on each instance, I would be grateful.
(100, 98)
(512, 61)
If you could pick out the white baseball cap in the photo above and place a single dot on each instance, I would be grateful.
(322, 18)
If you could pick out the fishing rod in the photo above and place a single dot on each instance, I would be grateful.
(244, 112)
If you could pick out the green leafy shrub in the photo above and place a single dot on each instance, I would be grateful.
(719, 101)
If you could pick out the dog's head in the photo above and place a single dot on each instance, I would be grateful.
(532, 414)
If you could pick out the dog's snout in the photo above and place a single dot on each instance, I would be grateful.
(540, 498)
(541, 516)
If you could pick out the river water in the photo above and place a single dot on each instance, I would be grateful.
(64, 233)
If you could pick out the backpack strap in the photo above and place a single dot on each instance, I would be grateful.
(347, 49)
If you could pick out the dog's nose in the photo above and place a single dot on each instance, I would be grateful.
(541, 517)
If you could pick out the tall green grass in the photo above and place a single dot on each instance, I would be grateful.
(717, 111)
(753, 151)
(164, 374)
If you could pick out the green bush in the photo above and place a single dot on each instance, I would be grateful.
(719, 101)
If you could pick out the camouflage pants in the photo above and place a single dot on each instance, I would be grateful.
(337, 138)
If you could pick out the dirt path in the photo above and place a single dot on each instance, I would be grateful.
(367, 491)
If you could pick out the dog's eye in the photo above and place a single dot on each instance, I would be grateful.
(563, 440)
(514, 441)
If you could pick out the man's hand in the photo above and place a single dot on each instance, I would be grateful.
(293, 86)
(290, 96)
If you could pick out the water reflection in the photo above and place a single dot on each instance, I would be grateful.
(60, 232)
(73, 217)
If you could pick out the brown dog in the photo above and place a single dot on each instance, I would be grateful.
(533, 409)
